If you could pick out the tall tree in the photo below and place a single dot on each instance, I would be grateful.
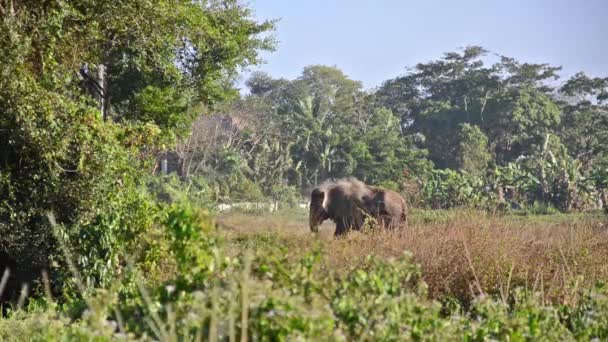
(318, 112)
(381, 154)
(508, 100)
(58, 154)
(473, 154)
(584, 129)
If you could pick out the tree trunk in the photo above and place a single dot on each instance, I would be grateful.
(104, 97)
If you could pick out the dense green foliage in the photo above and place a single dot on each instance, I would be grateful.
(93, 94)
(267, 294)
(460, 112)
(473, 150)
(301, 132)
(61, 154)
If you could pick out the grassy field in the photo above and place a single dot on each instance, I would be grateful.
(462, 254)
(447, 276)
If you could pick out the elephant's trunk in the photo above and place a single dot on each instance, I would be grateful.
(316, 217)
(314, 222)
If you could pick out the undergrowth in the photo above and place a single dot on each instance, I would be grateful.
(464, 278)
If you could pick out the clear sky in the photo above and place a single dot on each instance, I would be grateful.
(373, 41)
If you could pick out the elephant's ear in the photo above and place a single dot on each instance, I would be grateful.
(317, 197)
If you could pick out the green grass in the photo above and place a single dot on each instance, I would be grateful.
(448, 275)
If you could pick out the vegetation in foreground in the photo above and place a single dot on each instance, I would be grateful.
(93, 94)
(451, 275)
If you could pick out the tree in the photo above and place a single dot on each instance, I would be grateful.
(301, 132)
(584, 129)
(262, 85)
(60, 154)
(317, 114)
(509, 101)
(518, 122)
(473, 150)
(381, 154)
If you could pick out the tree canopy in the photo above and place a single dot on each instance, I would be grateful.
(469, 111)
(89, 92)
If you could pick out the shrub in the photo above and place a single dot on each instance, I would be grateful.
(285, 195)
(193, 241)
(273, 295)
(445, 189)
(384, 300)
(588, 319)
(526, 319)
(171, 189)
(59, 157)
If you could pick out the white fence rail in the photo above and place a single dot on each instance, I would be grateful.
(271, 207)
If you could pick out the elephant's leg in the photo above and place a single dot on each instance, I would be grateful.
(383, 222)
(391, 222)
(388, 222)
(380, 221)
(340, 228)
(357, 222)
(394, 223)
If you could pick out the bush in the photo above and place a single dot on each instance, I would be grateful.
(538, 208)
(171, 189)
(385, 300)
(285, 195)
(444, 189)
(59, 157)
(269, 294)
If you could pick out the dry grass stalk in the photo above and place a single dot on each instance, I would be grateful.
(555, 255)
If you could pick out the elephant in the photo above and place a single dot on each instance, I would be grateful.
(386, 206)
(348, 202)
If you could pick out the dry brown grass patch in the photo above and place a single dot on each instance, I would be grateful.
(464, 254)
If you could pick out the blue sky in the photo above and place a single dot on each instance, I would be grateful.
(373, 41)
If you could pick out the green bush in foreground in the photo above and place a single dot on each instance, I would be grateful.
(268, 295)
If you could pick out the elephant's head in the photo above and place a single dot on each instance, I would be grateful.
(318, 210)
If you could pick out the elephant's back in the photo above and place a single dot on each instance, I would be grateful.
(343, 200)
(395, 202)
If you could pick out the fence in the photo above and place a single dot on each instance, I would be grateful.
(271, 207)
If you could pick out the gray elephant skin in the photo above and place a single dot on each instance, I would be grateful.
(348, 202)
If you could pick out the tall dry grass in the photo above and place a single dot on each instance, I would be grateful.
(463, 254)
